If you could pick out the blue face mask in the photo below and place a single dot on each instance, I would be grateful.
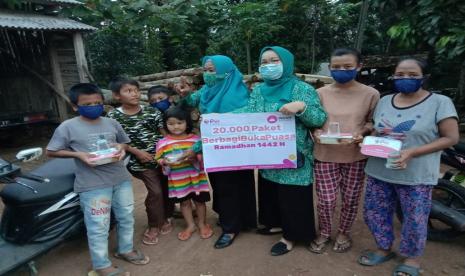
(90, 111)
(343, 76)
(162, 105)
(407, 86)
(271, 71)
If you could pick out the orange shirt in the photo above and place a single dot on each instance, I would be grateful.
(353, 110)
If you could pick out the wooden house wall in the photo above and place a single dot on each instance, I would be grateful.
(66, 57)
(20, 91)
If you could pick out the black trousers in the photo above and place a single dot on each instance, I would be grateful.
(289, 207)
(234, 199)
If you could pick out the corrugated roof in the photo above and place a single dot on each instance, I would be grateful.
(29, 21)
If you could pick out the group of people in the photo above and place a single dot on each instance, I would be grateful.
(167, 156)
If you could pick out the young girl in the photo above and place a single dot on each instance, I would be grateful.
(186, 181)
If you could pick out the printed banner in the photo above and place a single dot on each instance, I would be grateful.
(248, 141)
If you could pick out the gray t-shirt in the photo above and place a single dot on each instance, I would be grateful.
(415, 126)
(81, 136)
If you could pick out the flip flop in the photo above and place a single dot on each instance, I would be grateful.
(185, 235)
(342, 246)
(318, 248)
(406, 269)
(166, 228)
(370, 258)
(138, 259)
(206, 232)
(149, 239)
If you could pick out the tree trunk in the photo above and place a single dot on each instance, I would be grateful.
(362, 20)
(313, 48)
(249, 59)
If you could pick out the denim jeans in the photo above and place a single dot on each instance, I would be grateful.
(97, 205)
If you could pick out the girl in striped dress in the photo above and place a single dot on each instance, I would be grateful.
(186, 180)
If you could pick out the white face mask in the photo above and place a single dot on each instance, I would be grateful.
(272, 71)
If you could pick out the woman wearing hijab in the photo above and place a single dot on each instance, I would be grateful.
(233, 191)
(286, 195)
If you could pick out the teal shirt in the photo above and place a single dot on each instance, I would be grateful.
(193, 99)
(314, 116)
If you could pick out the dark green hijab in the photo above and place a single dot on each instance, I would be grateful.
(280, 90)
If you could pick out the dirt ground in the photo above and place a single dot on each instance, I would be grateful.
(249, 255)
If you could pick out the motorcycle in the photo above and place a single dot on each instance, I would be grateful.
(41, 210)
(447, 216)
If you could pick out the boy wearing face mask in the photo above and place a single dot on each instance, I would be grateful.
(101, 188)
(160, 97)
(340, 167)
(144, 125)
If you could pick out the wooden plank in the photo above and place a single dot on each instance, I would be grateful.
(80, 57)
(170, 74)
(58, 82)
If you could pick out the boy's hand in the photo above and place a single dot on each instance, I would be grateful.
(143, 156)
(85, 157)
(121, 152)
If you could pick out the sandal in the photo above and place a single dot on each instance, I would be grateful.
(150, 239)
(318, 248)
(117, 272)
(342, 246)
(138, 259)
(370, 258)
(185, 235)
(406, 269)
(167, 227)
(206, 232)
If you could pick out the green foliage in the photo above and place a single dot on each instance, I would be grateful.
(439, 25)
(146, 36)
(435, 26)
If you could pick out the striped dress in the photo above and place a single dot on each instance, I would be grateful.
(184, 178)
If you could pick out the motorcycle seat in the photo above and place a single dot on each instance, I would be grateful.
(59, 171)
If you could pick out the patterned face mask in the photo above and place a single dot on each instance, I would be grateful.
(211, 79)
(271, 71)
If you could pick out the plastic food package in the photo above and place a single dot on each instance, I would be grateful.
(331, 139)
(380, 147)
(104, 156)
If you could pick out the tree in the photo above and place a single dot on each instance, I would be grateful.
(146, 36)
(438, 26)
(243, 28)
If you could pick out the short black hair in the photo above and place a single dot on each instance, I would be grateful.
(83, 89)
(159, 89)
(421, 63)
(181, 114)
(347, 51)
(117, 83)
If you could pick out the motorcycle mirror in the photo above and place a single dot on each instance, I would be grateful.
(28, 155)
